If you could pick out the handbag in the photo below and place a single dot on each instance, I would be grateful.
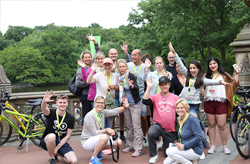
(73, 88)
(110, 102)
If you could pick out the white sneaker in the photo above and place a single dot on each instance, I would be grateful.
(212, 149)
(145, 142)
(226, 150)
(154, 159)
(159, 145)
(202, 156)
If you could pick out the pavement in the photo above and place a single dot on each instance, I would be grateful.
(34, 155)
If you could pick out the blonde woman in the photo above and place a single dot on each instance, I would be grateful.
(95, 137)
(99, 56)
(189, 147)
(128, 87)
(85, 57)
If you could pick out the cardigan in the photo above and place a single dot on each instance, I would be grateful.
(135, 90)
(91, 125)
(191, 135)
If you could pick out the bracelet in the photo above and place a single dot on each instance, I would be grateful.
(106, 132)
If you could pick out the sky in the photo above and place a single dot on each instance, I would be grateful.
(81, 13)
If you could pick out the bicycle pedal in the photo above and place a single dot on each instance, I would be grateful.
(19, 147)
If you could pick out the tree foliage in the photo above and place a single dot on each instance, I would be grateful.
(192, 25)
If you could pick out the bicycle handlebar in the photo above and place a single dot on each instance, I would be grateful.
(3, 107)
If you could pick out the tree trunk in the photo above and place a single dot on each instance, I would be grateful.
(202, 55)
(223, 56)
(209, 50)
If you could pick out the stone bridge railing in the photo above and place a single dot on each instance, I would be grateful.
(18, 100)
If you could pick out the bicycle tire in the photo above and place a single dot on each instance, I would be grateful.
(233, 120)
(36, 128)
(242, 141)
(5, 132)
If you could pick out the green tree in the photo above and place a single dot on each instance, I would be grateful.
(25, 65)
(192, 25)
(5, 42)
(17, 32)
(58, 50)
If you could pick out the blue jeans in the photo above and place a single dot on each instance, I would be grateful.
(194, 108)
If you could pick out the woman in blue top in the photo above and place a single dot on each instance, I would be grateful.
(189, 147)
(128, 87)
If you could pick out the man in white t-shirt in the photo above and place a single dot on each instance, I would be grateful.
(164, 116)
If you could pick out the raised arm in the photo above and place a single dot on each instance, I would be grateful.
(90, 37)
(91, 78)
(125, 50)
(182, 68)
(46, 98)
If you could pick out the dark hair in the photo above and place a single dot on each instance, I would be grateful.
(199, 81)
(184, 63)
(209, 72)
(145, 56)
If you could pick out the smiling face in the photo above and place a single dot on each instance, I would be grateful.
(177, 69)
(164, 87)
(62, 104)
(86, 59)
(122, 68)
(181, 110)
(193, 70)
(171, 58)
(99, 61)
(136, 57)
(159, 64)
(113, 54)
(99, 105)
(213, 66)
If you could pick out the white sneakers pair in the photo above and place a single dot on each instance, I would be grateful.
(225, 149)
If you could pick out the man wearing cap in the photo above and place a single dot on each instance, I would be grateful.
(164, 116)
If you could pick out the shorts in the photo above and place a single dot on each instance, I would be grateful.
(63, 150)
(194, 108)
(90, 143)
(143, 107)
(215, 107)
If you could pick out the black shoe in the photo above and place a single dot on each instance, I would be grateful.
(56, 159)
(52, 161)
(123, 138)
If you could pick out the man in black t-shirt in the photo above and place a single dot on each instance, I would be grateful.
(60, 125)
(170, 67)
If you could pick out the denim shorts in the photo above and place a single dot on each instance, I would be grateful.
(143, 107)
(63, 150)
(194, 108)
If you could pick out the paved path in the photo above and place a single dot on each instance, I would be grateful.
(10, 155)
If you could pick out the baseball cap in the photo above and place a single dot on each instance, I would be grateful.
(107, 60)
(164, 79)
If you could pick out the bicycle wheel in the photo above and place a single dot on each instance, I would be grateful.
(233, 120)
(241, 136)
(37, 129)
(5, 132)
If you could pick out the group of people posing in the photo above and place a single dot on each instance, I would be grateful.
(170, 95)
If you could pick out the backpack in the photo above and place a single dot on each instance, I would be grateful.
(204, 134)
(73, 88)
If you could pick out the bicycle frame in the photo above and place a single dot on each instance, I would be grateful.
(15, 116)
(30, 118)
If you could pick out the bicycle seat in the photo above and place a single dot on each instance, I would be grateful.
(37, 103)
(34, 100)
(245, 107)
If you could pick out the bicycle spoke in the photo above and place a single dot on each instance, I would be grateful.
(5, 132)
